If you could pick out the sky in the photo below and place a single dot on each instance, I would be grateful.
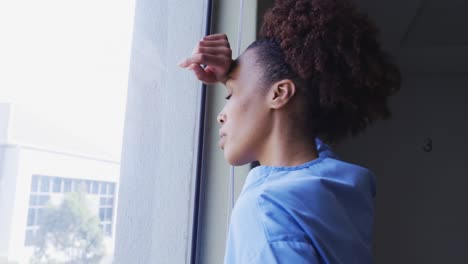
(66, 62)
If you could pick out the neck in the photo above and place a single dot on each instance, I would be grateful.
(287, 146)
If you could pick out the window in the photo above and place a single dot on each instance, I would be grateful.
(103, 188)
(106, 208)
(95, 187)
(62, 100)
(57, 185)
(70, 87)
(34, 183)
(44, 184)
(38, 202)
(68, 184)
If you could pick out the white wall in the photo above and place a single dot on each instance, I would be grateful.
(160, 137)
(5, 110)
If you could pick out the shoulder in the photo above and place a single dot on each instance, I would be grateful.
(314, 209)
(321, 206)
(328, 179)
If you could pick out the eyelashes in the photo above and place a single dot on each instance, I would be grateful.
(228, 97)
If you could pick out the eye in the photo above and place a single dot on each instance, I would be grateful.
(228, 97)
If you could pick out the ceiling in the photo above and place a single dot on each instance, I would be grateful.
(426, 36)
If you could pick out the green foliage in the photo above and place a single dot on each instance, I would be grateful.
(69, 233)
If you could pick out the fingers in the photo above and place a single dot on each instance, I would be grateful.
(215, 40)
(214, 43)
(206, 59)
(204, 51)
(213, 51)
(203, 75)
(216, 37)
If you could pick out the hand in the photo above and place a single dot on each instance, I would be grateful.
(214, 52)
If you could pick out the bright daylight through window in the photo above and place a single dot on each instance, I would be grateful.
(63, 85)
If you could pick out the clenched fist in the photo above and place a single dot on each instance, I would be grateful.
(214, 52)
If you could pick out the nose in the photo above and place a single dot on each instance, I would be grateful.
(221, 118)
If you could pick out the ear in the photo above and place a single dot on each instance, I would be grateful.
(281, 92)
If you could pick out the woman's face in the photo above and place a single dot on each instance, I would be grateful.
(245, 119)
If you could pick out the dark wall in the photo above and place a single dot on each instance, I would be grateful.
(421, 211)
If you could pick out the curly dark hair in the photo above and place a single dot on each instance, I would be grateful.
(332, 53)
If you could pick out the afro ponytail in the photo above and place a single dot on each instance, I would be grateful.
(334, 50)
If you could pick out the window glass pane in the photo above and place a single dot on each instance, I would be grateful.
(95, 187)
(32, 199)
(112, 188)
(63, 88)
(57, 183)
(88, 186)
(31, 216)
(67, 186)
(77, 186)
(108, 214)
(45, 184)
(103, 188)
(34, 183)
(102, 213)
(39, 215)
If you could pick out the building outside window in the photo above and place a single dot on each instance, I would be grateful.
(45, 189)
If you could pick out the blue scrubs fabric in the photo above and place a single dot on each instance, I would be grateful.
(317, 212)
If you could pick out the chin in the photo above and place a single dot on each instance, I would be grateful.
(236, 160)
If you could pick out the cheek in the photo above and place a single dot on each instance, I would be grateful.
(242, 118)
(247, 129)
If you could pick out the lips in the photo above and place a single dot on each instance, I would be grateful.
(222, 140)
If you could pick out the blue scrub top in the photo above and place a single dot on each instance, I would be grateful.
(317, 212)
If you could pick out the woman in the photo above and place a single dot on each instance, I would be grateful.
(318, 72)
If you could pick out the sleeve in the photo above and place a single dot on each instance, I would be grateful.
(287, 252)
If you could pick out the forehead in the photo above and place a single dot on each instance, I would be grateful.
(243, 66)
(244, 69)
